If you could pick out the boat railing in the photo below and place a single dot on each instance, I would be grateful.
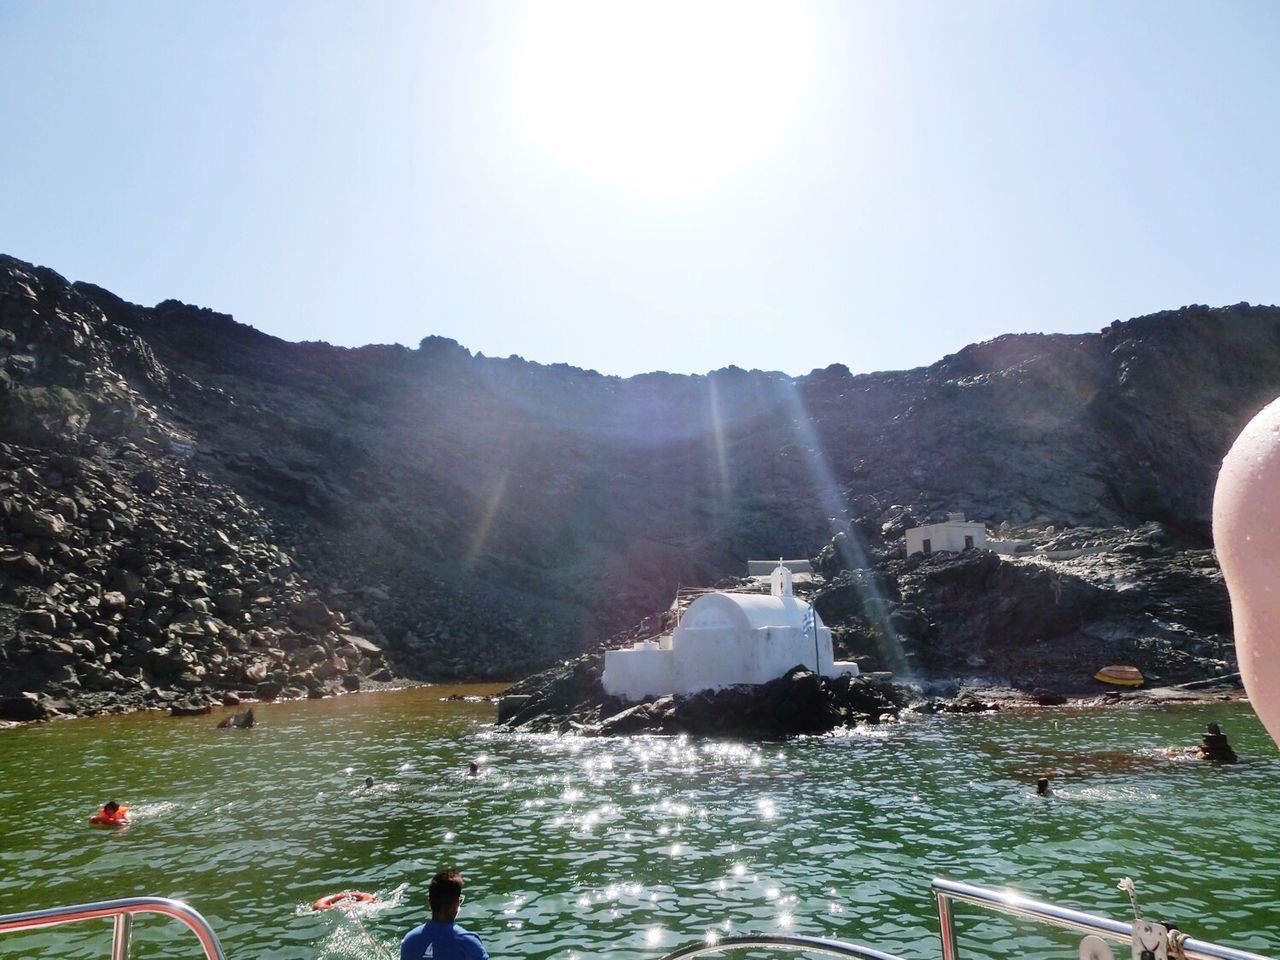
(832, 948)
(949, 892)
(1007, 902)
(122, 912)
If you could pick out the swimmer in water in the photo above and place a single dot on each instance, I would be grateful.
(473, 769)
(1042, 788)
(368, 782)
(111, 814)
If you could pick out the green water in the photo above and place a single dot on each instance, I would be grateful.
(577, 848)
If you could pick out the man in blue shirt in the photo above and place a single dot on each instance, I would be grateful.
(442, 938)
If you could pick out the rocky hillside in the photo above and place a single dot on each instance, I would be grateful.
(131, 580)
(482, 517)
(1042, 623)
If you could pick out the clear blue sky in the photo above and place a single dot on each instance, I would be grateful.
(661, 185)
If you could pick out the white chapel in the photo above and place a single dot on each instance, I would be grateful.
(725, 639)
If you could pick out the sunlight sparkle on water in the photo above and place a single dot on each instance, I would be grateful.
(850, 818)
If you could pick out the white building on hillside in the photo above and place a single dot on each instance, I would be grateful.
(725, 639)
(955, 533)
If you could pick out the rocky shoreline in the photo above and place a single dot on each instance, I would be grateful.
(570, 700)
(799, 704)
(109, 704)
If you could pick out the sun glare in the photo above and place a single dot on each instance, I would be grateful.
(660, 96)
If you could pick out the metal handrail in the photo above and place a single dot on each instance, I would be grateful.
(1015, 904)
(835, 948)
(122, 911)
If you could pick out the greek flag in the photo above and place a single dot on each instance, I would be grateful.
(807, 623)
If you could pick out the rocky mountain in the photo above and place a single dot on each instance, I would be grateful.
(482, 517)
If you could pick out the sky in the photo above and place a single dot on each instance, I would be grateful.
(673, 185)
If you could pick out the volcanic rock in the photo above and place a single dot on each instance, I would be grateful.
(23, 707)
(513, 514)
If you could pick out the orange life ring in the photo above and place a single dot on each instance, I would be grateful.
(346, 896)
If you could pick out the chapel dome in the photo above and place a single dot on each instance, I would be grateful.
(750, 611)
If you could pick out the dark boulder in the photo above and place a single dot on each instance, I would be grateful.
(38, 523)
(25, 707)
(22, 566)
(190, 708)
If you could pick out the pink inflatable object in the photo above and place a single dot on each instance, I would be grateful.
(1246, 532)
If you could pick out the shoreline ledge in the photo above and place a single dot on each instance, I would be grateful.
(571, 699)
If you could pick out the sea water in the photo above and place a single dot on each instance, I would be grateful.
(575, 848)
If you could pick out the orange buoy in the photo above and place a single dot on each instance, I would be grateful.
(347, 897)
(1119, 675)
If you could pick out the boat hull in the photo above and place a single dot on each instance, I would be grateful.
(1119, 675)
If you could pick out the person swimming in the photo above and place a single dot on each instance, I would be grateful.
(473, 769)
(1043, 789)
(111, 814)
(368, 782)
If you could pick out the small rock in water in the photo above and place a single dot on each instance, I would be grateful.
(243, 721)
(189, 708)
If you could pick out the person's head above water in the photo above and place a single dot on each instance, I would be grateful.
(111, 806)
(473, 768)
(1042, 786)
(368, 781)
(445, 895)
